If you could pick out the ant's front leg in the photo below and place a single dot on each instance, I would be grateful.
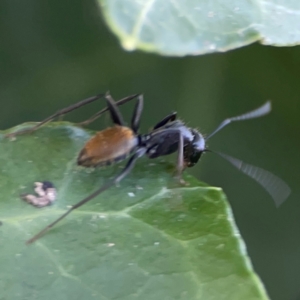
(180, 159)
(163, 143)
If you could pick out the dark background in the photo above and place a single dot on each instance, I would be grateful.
(54, 54)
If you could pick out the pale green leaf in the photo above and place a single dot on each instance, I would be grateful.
(193, 27)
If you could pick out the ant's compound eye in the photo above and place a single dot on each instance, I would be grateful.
(194, 158)
(191, 155)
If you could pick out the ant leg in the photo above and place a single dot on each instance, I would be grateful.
(180, 160)
(99, 113)
(117, 117)
(135, 121)
(164, 121)
(129, 166)
(173, 134)
(57, 114)
(114, 111)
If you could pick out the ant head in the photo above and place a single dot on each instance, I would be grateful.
(193, 150)
(191, 156)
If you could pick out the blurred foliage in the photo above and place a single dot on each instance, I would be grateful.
(54, 54)
(199, 26)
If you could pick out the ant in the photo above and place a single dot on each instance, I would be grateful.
(116, 143)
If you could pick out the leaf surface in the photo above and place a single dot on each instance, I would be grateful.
(148, 238)
(194, 27)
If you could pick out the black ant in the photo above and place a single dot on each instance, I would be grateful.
(168, 136)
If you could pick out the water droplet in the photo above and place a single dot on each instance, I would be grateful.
(221, 246)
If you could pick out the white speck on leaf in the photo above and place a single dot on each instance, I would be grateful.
(220, 247)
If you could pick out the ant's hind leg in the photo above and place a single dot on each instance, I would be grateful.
(136, 116)
(57, 114)
(115, 113)
(99, 113)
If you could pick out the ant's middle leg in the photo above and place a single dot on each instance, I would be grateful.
(57, 114)
(116, 115)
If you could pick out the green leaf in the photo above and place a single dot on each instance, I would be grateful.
(195, 27)
(148, 238)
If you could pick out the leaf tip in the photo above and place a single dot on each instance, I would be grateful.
(129, 44)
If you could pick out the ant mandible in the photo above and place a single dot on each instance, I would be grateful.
(168, 136)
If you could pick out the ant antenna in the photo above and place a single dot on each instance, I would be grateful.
(275, 186)
(259, 112)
